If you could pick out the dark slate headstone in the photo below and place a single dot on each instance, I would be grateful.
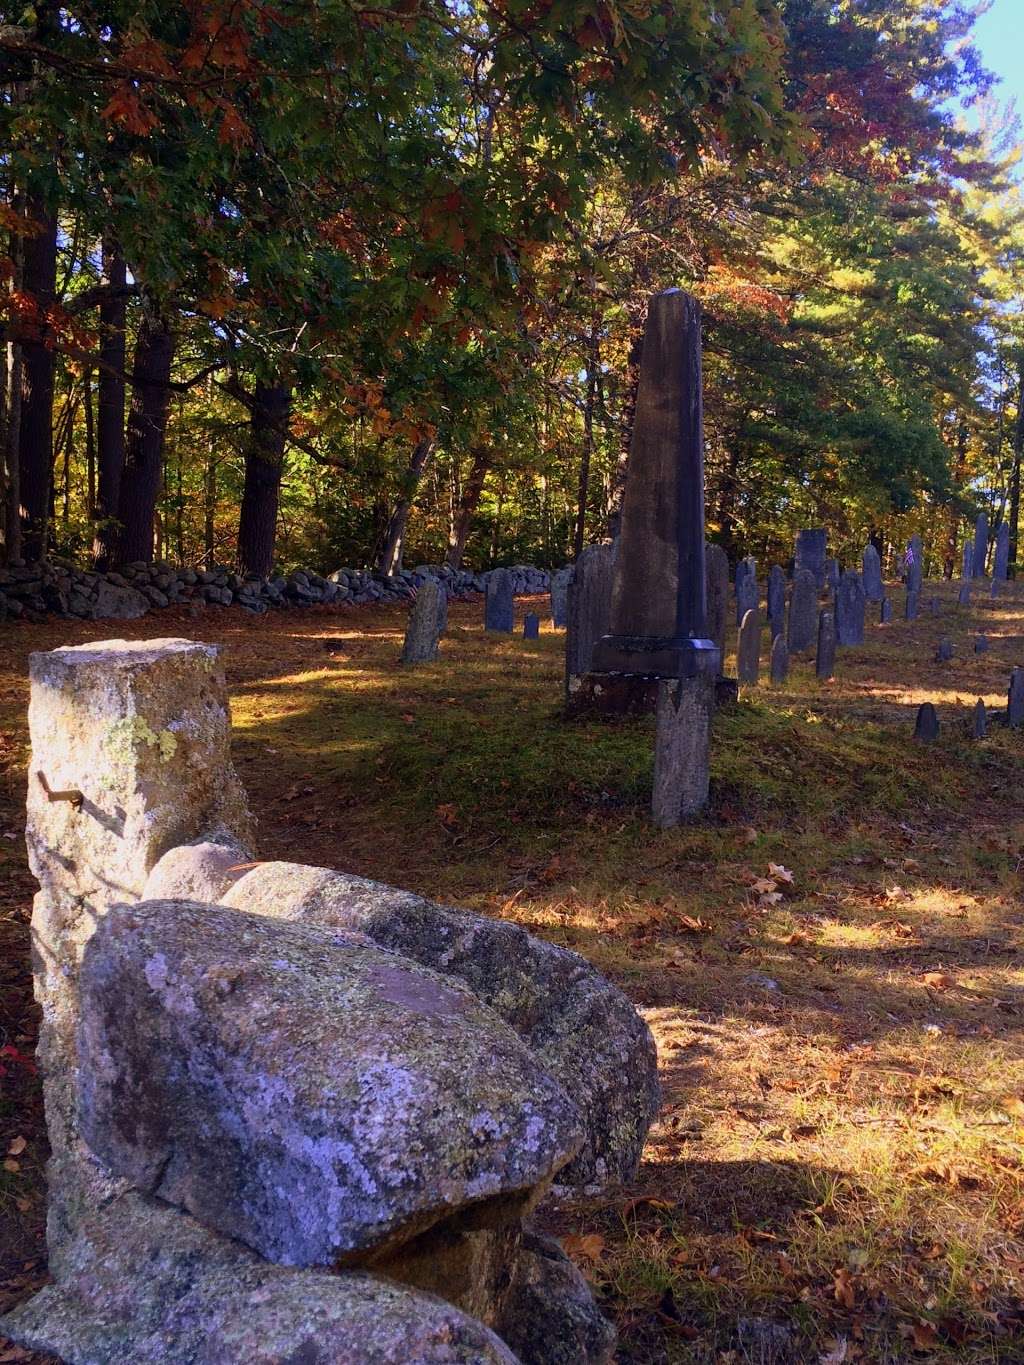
(803, 611)
(945, 650)
(560, 597)
(717, 565)
(981, 644)
(780, 660)
(850, 609)
(1015, 699)
(825, 659)
(425, 623)
(911, 608)
(915, 564)
(811, 552)
(531, 626)
(498, 601)
(927, 725)
(1001, 558)
(588, 609)
(963, 597)
(682, 748)
(885, 611)
(832, 575)
(748, 596)
(967, 560)
(874, 590)
(980, 545)
(980, 719)
(748, 648)
(994, 589)
(935, 606)
(777, 601)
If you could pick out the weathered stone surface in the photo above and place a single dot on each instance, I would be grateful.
(780, 660)
(748, 593)
(560, 597)
(197, 872)
(1015, 699)
(426, 621)
(748, 649)
(874, 589)
(116, 602)
(849, 610)
(945, 650)
(1001, 559)
(498, 601)
(885, 611)
(551, 1318)
(811, 552)
(825, 655)
(911, 606)
(583, 1031)
(151, 1286)
(915, 565)
(776, 601)
(531, 626)
(967, 560)
(589, 611)
(980, 555)
(832, 575)
(980, 723)
(963, 597)
(926, 727)
(803, 611)
(141, 729)
(302, 1091)
(682, 747)
(717, 567)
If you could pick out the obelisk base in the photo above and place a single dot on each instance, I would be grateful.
(626, 673)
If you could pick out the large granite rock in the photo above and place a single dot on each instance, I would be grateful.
(151, 1286)
(202, 871)
(583, 1031)
(306, 1093)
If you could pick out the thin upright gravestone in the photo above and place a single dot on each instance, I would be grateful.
(911, 608)
(967, 560)
(780, 660)
(885, 611)
(1001, 558)
(531, 626)
(560, 597)
(811, 551)
(832, 575)
(426, 622)
(874, 589)
(981, 644)
(803, 611)
(588, 610)
(825, 659)
(748, 649)
(717, 570)
(659, 604)
(850, 609)
(963, 597)
(498, 601)
(1015, 699)
(980, 545)
(748, 594)
(915, 565)
(926, 727)
(777, 601)
(945, 650)
(980, 719)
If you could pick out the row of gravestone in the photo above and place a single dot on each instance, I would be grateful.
(428, 619)
(926, 726)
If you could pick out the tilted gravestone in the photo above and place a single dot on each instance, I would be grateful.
(588, 611)
(1015, 699)
(980, 556)
(910, 609)
(915, 564)
(780, 660)
(885, 611)
(825, 656)
(803, 611)
(810, 553)
(748, 649)
(849, 609)
(717, 562)
(499, 602)
(1001, 559)
(980, 727)
(531, 626)
(926, 727)
(426, 621)
(777, 601)
(874, 589)
(560, 597)
(748, 595)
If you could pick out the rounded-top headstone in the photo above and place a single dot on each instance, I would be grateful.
(927, 725)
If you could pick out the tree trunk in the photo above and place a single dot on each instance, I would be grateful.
(1018, 447)
(144, 440)
(111, 405)
(391, 555)
(627, 413)
(10, 428)
(583, 495)
(35, 437)
(264, 460)
(90, 450)
(468, 504)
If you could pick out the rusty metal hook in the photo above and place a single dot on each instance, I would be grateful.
(75, 797)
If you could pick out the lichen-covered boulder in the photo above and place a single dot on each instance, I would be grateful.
(150, 1286)
(583, 1031)
(202, 871)
(304, 1092)
(550, 1317)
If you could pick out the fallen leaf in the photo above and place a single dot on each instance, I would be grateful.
(583, 1247)
(844, 1289)
(924, 1336)
(693, 924)
(938, 981)
(780, 873)
(17, 1146)
(1013, 1104)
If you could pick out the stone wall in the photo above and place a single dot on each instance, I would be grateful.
(59, 588)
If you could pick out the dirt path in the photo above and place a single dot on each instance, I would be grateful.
(831, 962)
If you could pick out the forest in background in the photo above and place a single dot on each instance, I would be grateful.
(317, 282)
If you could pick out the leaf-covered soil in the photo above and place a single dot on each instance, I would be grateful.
(831, 962)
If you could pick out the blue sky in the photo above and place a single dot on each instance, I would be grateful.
(999, 35)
